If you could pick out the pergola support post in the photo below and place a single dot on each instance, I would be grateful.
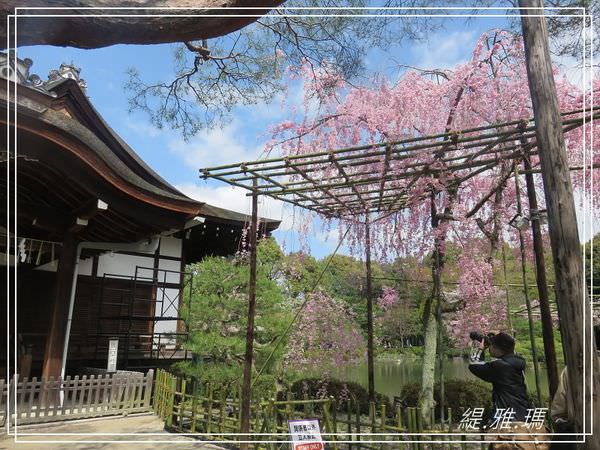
(246, 384)
(508, 314)
(370, 356)
(562, 222)
(542, 282)
(534, 353)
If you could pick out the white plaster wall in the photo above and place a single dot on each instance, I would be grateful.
(170, 246)
(85, 266)
(171, 271)
(124, 265)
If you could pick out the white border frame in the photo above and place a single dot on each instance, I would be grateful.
(437, 15)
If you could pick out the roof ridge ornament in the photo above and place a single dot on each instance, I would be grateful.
(66, 72)
(17, 70)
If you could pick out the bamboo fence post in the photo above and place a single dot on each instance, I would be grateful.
(154, 400)
(209, 409)
(349, 422)
(334, 413)
(372, 417)
(164, 397)
(239, 404)
(158, 393)
(326, 411)
(149, 383)
(162, 407)
(413, 423)
(194, 404)
(182, 404)
(223, 399)
(171, 400)
(273, 429)
(419, 425)
(358, 437)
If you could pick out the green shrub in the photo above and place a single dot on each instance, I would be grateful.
(221, 376)
(340, 390)
(459, 395)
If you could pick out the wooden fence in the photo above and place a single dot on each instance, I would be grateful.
(47, 400)
(214, 411)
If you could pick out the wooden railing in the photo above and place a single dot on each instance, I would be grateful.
(47, 400)
(214, 411)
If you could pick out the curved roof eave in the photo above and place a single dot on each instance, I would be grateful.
(152, 185)
(69, 88)
(74, 136)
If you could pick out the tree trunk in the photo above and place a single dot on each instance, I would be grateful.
(562, 222)
(95, 32)
(426, 401)
(370, 342)
(432, 312)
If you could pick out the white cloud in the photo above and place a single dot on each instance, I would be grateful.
(329, 236)
(444, 50)
(142, 128)
(215, 147)
(235, 199)
(572, 66)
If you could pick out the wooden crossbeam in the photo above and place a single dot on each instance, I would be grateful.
(357, 186)
(343, 173)
(318, 186)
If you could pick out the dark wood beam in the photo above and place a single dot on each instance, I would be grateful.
(79, 225)
(60, 308)
(90, 208)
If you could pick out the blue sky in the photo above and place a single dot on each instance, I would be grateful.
(244, 135)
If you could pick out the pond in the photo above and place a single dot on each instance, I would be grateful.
(391, 375)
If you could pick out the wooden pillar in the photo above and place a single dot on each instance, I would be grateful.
(542, 283)
(562, 222)
(246, 394)
(58, 320)
(370, 356)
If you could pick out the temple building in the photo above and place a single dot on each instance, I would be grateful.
(94, 241)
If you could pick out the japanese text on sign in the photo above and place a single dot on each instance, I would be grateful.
(306, 434)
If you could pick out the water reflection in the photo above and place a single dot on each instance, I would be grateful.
(390, 376)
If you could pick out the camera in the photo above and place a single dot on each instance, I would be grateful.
(476, 336)
(480, 337)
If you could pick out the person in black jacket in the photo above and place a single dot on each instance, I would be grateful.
(506, 375)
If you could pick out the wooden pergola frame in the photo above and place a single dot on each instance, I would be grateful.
(336, 185)
(308, 180)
